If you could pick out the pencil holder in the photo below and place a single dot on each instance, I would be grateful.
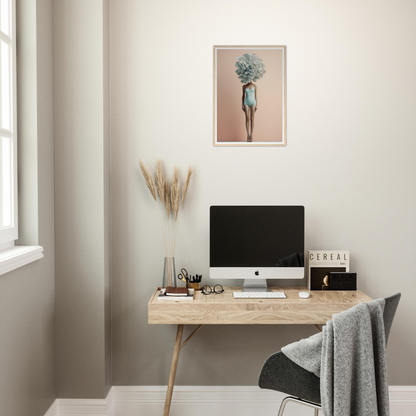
(195, 286)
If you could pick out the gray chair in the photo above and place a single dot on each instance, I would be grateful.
(281, 374)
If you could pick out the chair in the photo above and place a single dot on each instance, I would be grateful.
(281, 374)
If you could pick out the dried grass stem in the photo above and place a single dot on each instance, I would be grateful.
(170, 198)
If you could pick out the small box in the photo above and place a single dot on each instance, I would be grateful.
(342, 281)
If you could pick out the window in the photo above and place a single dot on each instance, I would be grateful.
(11, 256)
(8, 146)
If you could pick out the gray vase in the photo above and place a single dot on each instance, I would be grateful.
(169, 272)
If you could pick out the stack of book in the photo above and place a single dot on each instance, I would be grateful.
(176, 293)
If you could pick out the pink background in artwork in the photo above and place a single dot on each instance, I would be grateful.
(230, 116)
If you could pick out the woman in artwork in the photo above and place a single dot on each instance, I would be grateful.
(250, 68)
(249, 107)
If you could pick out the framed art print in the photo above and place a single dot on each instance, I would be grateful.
(249, 95)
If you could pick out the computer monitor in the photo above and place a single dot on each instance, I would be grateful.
(256, 243)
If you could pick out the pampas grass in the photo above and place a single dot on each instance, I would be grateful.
(148, 179)
(174, 193)
(166, 195)
(168, 209)
(186, 183)
(160, 181)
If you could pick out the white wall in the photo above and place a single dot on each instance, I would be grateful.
(349, 160)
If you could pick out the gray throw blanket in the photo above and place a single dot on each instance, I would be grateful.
(349, 356)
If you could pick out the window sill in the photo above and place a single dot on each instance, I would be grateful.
(18, 256)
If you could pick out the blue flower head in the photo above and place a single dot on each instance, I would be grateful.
(249, 68)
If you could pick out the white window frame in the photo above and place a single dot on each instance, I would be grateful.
(9, 233)
(11, 256)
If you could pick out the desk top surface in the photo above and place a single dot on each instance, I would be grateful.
(218, 309)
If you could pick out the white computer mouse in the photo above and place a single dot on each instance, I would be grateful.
(304, 295)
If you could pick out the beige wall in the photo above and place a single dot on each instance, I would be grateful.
(349, 160)
(27, 295)
(82, 199)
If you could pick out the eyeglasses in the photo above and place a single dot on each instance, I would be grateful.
(207, 290)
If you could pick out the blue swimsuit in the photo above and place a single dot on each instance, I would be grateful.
(250, 99)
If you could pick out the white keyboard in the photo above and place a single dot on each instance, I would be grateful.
(259, 295)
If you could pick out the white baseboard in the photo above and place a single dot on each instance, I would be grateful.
(205, 401)
(83, 407)
(197, 400)
(402, 400)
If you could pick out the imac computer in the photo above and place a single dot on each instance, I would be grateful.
(256, 243)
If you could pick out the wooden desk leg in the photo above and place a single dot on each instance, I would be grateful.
(173, 368)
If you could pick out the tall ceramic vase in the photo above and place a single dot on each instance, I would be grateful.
(169, 272)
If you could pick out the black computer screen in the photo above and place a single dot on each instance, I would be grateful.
(257, 236)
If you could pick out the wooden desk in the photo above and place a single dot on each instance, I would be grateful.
(223, 309)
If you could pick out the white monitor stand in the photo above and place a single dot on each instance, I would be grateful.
(255, 285)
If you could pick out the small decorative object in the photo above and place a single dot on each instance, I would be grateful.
(170, 198)
(252, 114)
(195, 281)
(196, 286)
(325, 286)
(321, 263)
(191, 281)
(342, 281)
